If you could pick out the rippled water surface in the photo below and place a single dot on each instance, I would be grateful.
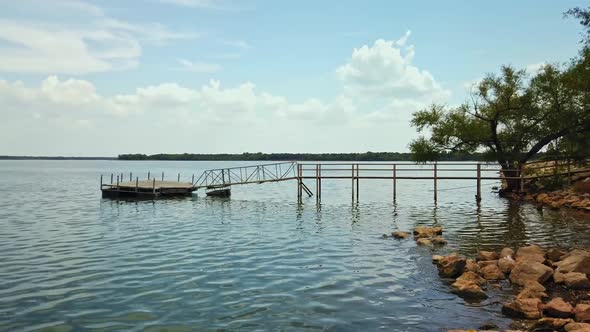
(70, 260)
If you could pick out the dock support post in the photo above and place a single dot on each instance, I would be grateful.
(154, 187)
(117, 182)
(394, 182)
(352, 177)
(435, 182)
(178, 177)
(162, 176)
(101, 182)
(111, 178)
(137, 184)
(320, 181)
(122, 177)
(193, 179)
(317, 183)
(357, 182)
(130, 176)
(478, 195)
(148, 175)
(299, 187)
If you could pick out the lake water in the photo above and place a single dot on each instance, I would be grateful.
(70, 260)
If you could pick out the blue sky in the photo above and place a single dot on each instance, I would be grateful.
(150, 76)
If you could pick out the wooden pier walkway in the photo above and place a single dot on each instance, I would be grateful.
(220, 180)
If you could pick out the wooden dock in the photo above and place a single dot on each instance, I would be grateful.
(151, 188)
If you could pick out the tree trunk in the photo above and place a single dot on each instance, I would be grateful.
(511, 175)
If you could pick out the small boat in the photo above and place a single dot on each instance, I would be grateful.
(224, 192)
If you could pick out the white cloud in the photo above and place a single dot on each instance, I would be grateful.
(199, 67)
(386, 70)
(91, 42)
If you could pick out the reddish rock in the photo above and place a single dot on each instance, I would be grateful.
(575, 261)
(506, 264)
(506, 252)
(483, 264)
(423, 231)
(473, 277)
(554, 254)
(525, 271)
(576, 280)
(468, 289)
(437, 258)
(531, 293)
(439, 241)
(451, 266)
(486, 256)
(577, 327)
(558, 308)
(530, 253)
(492, 272)
(582, 312)
(523, 308)
(423, 242)
(541, 197)
(551, 324)
(400, 235)
(471, 265)
(558, 277)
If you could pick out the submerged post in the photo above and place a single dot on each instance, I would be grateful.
(162, 176)
(357, 182)
(352, 177)
(148, 175)
(137, 184)
(130, 176)
(178, 177)
(117, 182)
(111, 178)
(154, 187)
(101, 182)
(435, 180)
(478, 195)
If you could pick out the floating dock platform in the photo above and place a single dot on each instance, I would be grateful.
(146, 189)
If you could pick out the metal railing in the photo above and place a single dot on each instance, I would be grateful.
(224, 177)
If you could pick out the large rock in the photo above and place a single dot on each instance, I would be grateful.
(483, 264)
(554, 254)
(532, 290)
(506, 264)
(492, 272)
(576, 280)
(506, 252)
(582, 312)
(523, 308)
(468, 289)
(451, 266)
(437, 258)
(486, 256)
(471, 265)
(576, 261)
(530, 253)
(558, 308)
(577, 327)
(551, 324)
(400, 235)
(423, 231)
(473, 277)
(439, 240)
(423, 242)
(525, 271)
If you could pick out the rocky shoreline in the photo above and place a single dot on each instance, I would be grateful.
(552, 287)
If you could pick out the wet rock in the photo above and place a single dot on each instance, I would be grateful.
(506, 264)
(535, 286)
(488, 327)
(436, 259)
(531, 254)
(451, 266)
(558, 277)
(471, 265)
(483, 264)
(400, 235)
(554, 254)
(486, 256)
(468, 289)
(506, 252)
(576, 280)
(541, 197)
(558, 308)
(575, 261)
(384, 236)
(492, 272)
(532, 292)
(423, 231)
(473, 277)
(439, 241)
(423, 242)
(525, 271)
(582, 312)
(551, 324)
(578, 327)
(523, 308)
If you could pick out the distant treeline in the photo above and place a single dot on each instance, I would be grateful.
(367, 156)
(53, 158)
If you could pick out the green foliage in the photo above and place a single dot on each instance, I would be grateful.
(512, 117)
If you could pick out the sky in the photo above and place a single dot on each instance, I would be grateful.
(102, 78)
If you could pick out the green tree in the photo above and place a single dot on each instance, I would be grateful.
(511, 117)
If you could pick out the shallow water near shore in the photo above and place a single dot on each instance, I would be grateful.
(71, 260)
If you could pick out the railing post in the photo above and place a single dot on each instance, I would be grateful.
(435, 182)
(101, 182)
(193, 179)
(352, 177)
(478, 195)
(299, 187)
(178, 177)
(130, 176)
(117, 182)
(154, 186)
(394, 182)
(137, 184)
(357, 182)
(521, 176)
(162, 176)
(148, 175)
(317, 183)
(111, 178)
(320, 182)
